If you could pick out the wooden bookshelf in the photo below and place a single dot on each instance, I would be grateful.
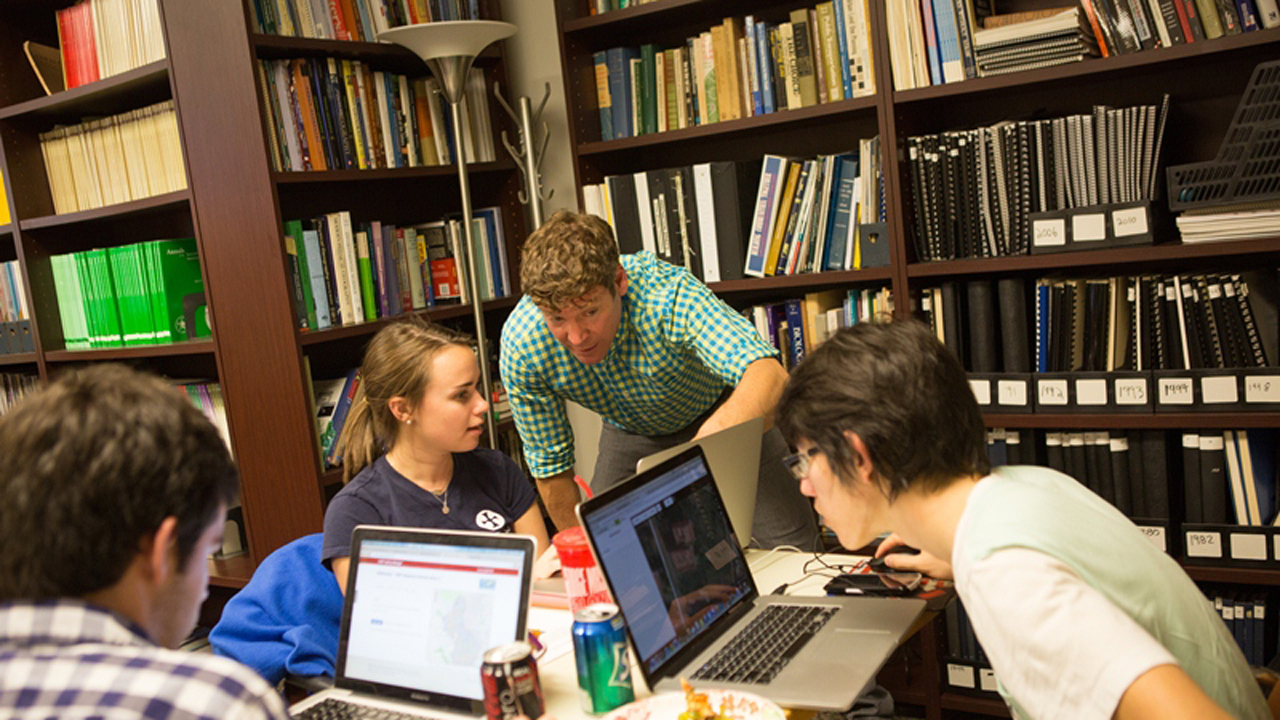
(477, 170)
(108, 96)
(1205, 80)
(232, 572)
(134, 209)
(13, 359)
(188, 348)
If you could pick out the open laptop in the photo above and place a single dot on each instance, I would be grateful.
(422, 606)
(663, 541)
(734, 457)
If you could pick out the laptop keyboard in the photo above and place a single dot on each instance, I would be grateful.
(766, 644)
(331, 709)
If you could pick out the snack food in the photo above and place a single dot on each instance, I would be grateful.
(698, 706)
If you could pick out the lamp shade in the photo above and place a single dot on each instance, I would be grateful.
(458, 38)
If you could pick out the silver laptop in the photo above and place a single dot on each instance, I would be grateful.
(422, 606)
(734, 457)
(663, 541)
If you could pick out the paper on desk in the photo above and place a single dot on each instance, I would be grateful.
(554, 630)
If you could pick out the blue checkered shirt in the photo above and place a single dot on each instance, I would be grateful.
(677, 348)
(68, 659)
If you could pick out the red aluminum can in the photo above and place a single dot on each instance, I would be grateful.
(511, 685)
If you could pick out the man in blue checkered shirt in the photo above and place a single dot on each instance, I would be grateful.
(114, 491)
(653, 351)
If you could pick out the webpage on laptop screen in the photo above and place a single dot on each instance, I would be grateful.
(675, 527)
(423, 615)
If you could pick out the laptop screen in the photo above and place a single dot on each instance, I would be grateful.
(421, 614)
(672, 522)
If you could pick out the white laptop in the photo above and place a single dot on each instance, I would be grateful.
(422, 607)
(663, 542)
(734, 457)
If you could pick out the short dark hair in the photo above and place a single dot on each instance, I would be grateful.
(93, 463)
(900, 390)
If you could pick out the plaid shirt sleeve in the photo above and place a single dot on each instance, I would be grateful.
(539, 413)
(724, 341)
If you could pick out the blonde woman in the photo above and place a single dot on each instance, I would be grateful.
(411, 440)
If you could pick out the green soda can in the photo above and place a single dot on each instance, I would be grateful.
(600, 648)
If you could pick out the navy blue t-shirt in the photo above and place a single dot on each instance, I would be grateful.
(488, 492)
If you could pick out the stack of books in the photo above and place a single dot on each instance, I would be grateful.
(359, 20)
(1043, 42)
(1127, 26)
(739, 68)
(116, 159)
(337, 114)
(1230, 223)
(101, 38)
(13, 386)
(346, 272)
(798, 326)
(207, 398)
(131, 295)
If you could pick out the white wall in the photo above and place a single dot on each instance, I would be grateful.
(533, 59)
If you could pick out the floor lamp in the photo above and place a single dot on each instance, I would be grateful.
(449, 49)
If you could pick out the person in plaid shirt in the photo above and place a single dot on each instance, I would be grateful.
(653, 351)
(115, 490)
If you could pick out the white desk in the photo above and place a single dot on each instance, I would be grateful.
(560, 675)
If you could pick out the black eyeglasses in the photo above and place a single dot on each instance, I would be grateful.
(798, 463)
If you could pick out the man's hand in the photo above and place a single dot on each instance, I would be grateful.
(923, 563)
(560, 495)
(546, 565)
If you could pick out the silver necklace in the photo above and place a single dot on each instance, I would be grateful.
(443, 497)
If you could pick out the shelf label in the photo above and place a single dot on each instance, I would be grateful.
(1248, 546)
(1091, 392)
(1202, 544)
(1217, 390)
(1176, 391)
(1131, 391)
(1012, 392)
(981, 390)
(1275, 545)
(1262, 389)
(1089, 228)
(1132, 221)
(987, 679)
(1156, 536)
(1051, 392)
(960, 675)
(1048, 233)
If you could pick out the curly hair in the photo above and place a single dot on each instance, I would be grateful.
(568, 257)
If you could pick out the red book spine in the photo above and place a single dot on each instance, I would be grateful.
(89, 48)
(340, 31)
(1186, 13)
(70, 55)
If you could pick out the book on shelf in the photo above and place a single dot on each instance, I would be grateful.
(15, 313)
(5, 216)
(344, 271)
(116, 159)
(357, 20)
(207, 398)
(735, 69)
(101, 38)
(799, 325)
(46, 63)
(141, 294)
(13, 387)
(1245, 222)
(333, 397)
(334, 114)
(1127, 468)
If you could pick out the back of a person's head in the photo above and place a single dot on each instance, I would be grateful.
(93, 463)
(898, 388)
(397, 363)
(568, 257)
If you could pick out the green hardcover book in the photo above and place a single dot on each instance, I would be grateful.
(132, 327)
(178, 277)
(293, 229)
(649, 87)
(295, 283)
(88, 299)
(141, 275)
(108, 306)
(149, 253)
(367, 294)
(75, 333)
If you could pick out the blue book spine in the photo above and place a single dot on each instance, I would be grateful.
(766, 196)
(964, 26)
(390, 109)
(842, 46)
(757, 92)
(619, 62)
(795, 331)
(1248, 15)
(491, 237)
(601, 60)
(932, 48)
(315, 269)
(340, 415)
(395, 305)
(948, 41)
(1042, 328)
(764, 63)
(846, 175)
